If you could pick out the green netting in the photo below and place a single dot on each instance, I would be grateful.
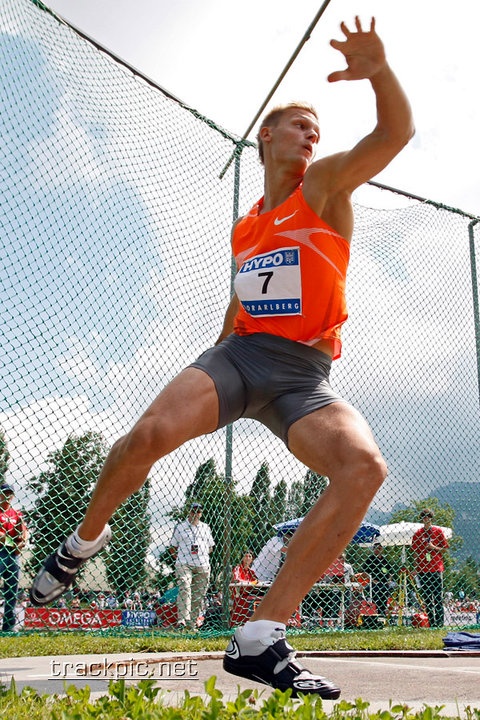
(116, 274)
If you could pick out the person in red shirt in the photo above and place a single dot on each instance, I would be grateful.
(428, 546)
(243, 577)
(13, 535)
(243, 572)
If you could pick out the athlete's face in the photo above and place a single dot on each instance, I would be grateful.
(296, 136)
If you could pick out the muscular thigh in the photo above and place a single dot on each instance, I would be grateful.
(186, 408)
(331, 438)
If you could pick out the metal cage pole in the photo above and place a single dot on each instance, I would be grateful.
(287, 67)
(227, 534)
(476, 307)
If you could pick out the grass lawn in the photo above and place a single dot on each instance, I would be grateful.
(82, 643)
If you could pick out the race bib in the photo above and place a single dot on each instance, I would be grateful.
(270, 284)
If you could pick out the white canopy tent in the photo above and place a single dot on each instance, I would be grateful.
(401, 534)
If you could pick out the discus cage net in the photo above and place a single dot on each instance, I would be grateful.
(116, 273)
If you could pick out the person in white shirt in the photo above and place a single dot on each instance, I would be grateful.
(348, 571)
(269, 559)
(191, 545)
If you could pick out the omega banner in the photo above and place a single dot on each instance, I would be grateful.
(84, 619)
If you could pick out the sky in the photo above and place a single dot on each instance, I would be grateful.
(223, 59)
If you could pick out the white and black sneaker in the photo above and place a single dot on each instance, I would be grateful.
(271, 660)
(59, 570)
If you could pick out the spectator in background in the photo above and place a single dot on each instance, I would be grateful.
(271, 556)
(380, 570)
(428, 545)
(13, 536)
(348, 574)
(348, 571)
(449, 597)
(127, 600)
(111, 601)
(101, 601)
(242, 591)
(137, 601)
(191, 544)
(243, 572)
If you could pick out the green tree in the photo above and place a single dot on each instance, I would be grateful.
(279, 502)
(314, 485)
(236, 538)
(206, 479)
(127, 551)
(4, 455)
(465, 578)
(206, 472)
(63, 491)
(295, 499)
(444, 514)
(261, 500)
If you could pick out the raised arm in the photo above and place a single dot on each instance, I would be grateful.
(365, 57)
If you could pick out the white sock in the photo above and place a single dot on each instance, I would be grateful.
(80, 547)
(261, 628)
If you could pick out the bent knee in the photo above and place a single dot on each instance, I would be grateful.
(378, 468)
(144, 444)
(370, 469)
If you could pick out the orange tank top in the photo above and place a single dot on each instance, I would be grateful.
(291, 275)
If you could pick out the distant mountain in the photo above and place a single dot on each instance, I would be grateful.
(464, 498)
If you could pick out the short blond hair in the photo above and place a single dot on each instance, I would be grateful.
(275, 114)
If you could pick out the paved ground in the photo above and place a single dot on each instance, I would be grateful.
(413, 678)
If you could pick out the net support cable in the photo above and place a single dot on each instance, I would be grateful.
(141, 75)
(285, 70)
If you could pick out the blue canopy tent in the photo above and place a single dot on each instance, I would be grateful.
(365, 534)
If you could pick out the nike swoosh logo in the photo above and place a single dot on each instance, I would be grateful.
(279, 221)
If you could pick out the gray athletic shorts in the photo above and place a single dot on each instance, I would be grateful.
(268, 378)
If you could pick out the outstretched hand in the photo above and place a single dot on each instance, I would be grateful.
(363, 51)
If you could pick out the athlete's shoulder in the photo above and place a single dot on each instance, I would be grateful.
(252, 213)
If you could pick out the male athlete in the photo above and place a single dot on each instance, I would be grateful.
(272, 361)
